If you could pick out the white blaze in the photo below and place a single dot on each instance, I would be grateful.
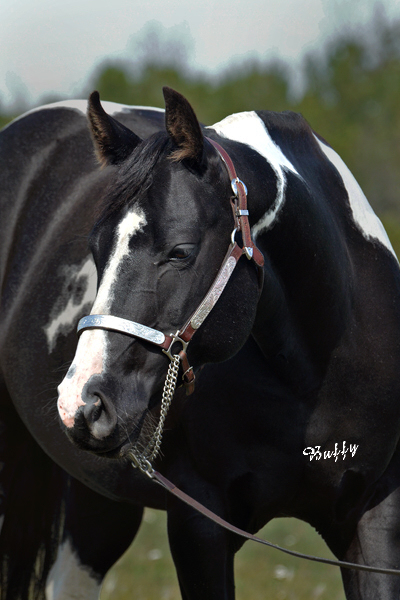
(91, 353)
(131, 224)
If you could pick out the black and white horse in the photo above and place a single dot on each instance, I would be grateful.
(298, 364)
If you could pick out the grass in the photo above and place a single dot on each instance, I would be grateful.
(146, 570)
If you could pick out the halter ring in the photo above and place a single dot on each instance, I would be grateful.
(175, 338)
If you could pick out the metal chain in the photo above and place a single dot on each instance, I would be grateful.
(143, 459)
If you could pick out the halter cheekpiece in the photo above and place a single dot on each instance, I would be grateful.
(183, 336)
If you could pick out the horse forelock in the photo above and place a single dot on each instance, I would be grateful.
(135, 175)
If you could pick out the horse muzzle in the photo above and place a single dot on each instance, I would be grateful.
(90, 416)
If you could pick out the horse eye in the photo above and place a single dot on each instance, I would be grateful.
(182, 251)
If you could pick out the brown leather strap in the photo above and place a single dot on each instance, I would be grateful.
(168, 485)
(240, 206)
(209, 301)
(185, 334)
(188, 373)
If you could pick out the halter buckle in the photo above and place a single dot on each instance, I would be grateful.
(234, 187)
(175, 338)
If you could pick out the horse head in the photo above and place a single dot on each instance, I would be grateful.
(158, 245)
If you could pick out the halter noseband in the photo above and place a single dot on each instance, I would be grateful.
(185, 334)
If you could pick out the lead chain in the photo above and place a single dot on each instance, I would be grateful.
(144, 460)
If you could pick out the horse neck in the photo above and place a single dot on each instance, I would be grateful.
(305, 303)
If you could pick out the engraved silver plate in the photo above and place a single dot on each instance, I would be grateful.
(123, 326)
(214, 293)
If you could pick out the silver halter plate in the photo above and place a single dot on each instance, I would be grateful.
(123, 326)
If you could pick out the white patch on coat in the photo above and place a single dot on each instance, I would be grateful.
(248, 128)
(64, 319)
(363, 214)
(80, 106)
(91, 353)
(69, 579)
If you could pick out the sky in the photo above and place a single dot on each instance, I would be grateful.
(49, 47)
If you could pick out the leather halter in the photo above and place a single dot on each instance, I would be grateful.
(234, 253)
(184, 335)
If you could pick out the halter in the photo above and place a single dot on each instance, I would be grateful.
(143, 459)
(184, 335)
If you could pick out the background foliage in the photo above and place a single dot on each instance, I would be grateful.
(350, 94)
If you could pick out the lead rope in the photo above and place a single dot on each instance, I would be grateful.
(209, 514)
(143, 462)
(143, 459)
(168, 485)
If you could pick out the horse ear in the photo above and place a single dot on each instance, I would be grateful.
(183, 127)
(113, 141)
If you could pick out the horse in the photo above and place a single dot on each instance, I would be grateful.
(282, 289)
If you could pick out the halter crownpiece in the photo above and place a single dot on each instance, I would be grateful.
(239, 207)
(185, 334)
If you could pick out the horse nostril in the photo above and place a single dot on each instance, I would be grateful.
(98, 412)
(93, 409)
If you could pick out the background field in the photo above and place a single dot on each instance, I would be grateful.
(146, 571)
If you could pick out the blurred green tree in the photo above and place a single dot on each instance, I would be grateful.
(351, 95)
